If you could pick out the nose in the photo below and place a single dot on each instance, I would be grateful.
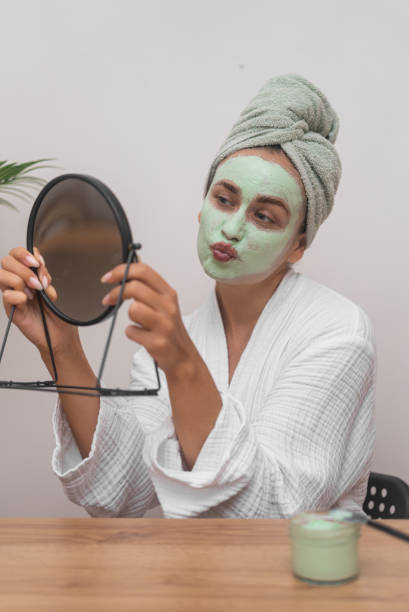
(233, 226)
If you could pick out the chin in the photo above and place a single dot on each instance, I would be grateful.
(245, 280)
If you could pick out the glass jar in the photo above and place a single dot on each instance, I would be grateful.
(324, 551)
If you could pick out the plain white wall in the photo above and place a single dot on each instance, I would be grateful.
(141, 95)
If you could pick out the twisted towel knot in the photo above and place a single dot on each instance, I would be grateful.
(292, 112)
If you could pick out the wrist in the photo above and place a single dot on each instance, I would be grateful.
(71, 347)
(184, 370)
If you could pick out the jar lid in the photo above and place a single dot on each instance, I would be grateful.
(321, 525)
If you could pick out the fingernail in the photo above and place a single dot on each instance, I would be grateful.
(31, 261)
(106, 277)
(35, 283)
(41, 258)
(44, 281)
(28, 293)
(106, 299)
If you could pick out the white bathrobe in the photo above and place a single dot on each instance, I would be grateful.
(296, 430)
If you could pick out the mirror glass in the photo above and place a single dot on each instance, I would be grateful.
(76, 231)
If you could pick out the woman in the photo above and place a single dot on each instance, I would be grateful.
(266, 405)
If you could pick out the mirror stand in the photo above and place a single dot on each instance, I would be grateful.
(51, 385)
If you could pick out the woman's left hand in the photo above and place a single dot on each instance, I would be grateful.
(155, 307)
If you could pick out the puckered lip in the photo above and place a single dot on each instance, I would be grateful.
(225, 248)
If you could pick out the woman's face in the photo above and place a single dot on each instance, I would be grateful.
(255, 206)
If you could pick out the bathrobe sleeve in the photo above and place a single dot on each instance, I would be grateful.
(113, 480)
(310, 447)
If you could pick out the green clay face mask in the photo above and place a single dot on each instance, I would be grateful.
(259, 232)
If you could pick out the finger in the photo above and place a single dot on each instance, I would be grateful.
(25, 257)
(45, 277)
(16, 275)
(43, 273)
(143, 315)
(14, 298)
(144, 273)
(29, 293)
(138, 291)
(141, 336)
(52, 293)
(19, 261)
(38, 256)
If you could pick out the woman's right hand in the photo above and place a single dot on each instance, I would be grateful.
(18, 285)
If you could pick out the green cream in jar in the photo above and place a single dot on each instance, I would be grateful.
(324, 551)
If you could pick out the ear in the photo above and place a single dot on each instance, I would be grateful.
(298, 250)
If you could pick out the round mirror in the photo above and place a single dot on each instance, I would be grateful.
(82, 231)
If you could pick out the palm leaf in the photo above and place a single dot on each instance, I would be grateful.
(26, 180)
(13, 190)
(13, 177)
(10, 171)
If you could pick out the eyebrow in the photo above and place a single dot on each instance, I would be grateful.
(264, 199)
(229, 187)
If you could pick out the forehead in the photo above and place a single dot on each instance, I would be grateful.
(255, 175)
(272, 154)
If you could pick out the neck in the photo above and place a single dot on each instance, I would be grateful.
(241, 305)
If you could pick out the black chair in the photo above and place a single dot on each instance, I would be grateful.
(387, 497)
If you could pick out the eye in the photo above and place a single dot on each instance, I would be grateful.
(264, 218)
(223, 201)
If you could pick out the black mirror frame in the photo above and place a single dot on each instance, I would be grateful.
(120, 218)
(129, 249)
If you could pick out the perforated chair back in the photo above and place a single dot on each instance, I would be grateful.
(387, 497)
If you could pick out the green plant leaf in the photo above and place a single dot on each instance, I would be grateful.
(26, 180)
(12, 170)
(13, 190)
(14, 176)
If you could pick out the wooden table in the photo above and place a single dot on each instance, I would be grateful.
(89, 564)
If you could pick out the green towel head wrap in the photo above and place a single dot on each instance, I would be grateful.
(292, 112)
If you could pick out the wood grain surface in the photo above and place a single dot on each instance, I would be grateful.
(195, 565)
